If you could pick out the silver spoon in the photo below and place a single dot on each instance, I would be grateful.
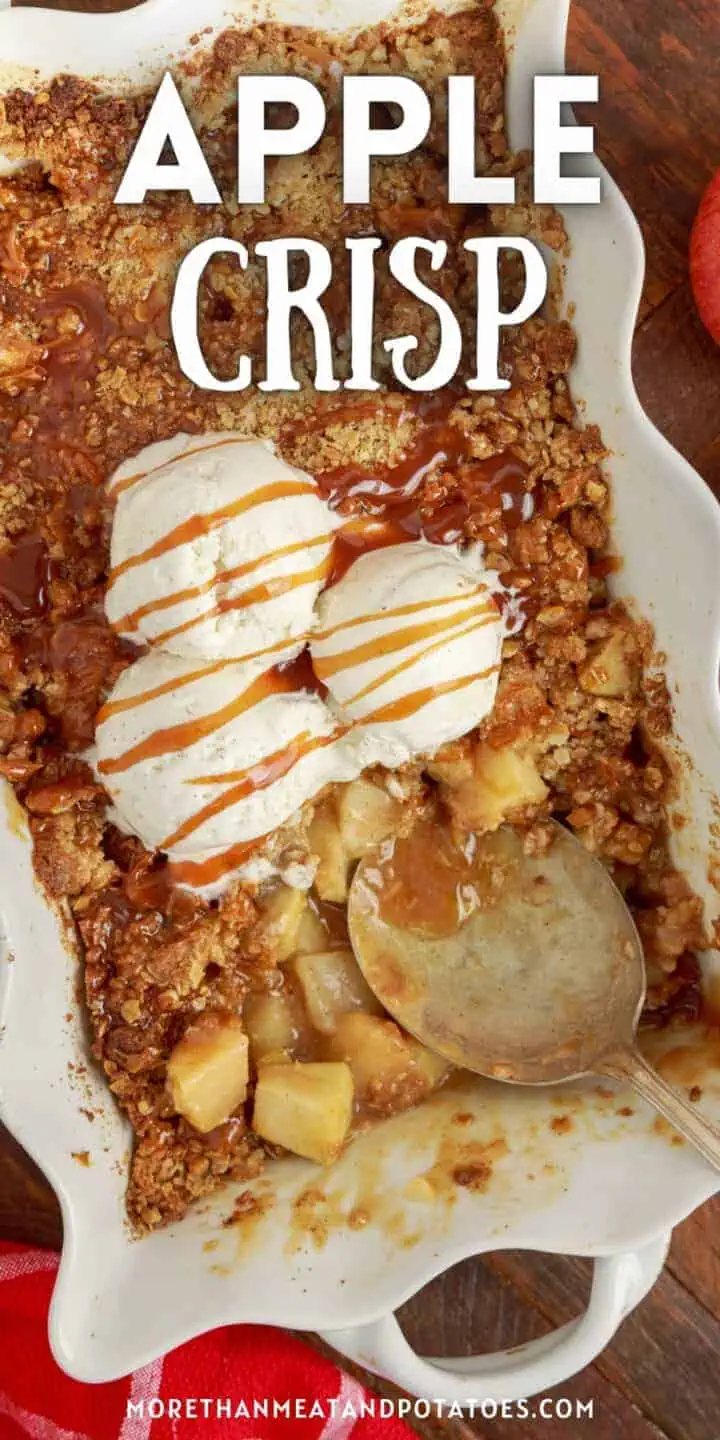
(525, 968)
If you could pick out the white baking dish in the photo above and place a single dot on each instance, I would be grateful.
(611, 1186)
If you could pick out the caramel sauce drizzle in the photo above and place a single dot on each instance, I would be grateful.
(242, 783)
(437, 444)
(410, 609)
(259, 595)
(410, 704)
(180, 737)
(139, 475)
(246, 782)
(361, 534)
(224, 577)
(302, 674)
(198, 873)
(421, 655)
(343, 412)
(207, 872)
(199, 525)
(392, 497)
(25, 576)
(131, 702)
(90, 302)
(387, 644)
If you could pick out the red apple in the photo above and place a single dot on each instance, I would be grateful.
(705, 258)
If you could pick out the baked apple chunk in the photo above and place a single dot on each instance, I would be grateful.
(272, 1026)
(305, 1108)
(332, 985)
(390, 1069)
(501, 784)
(345, 829)
(612, 671)
(333, 863)
(208, 1071)
(283, 913)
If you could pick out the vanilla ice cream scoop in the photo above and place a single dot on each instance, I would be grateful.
(204, 760)
(408, 645)
(218, 548)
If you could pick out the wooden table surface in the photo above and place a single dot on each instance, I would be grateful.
(659, 134)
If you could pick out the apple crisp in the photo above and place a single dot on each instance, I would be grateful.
(240, 988)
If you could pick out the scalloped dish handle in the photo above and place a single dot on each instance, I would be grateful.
(620, 1282)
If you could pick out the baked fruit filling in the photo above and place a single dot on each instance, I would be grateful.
(211, 714)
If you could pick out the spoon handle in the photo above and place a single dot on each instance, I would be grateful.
(628, 1064)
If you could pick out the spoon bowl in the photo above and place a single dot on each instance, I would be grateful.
(520, 963)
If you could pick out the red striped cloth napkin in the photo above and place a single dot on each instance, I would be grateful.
(213, 1381)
